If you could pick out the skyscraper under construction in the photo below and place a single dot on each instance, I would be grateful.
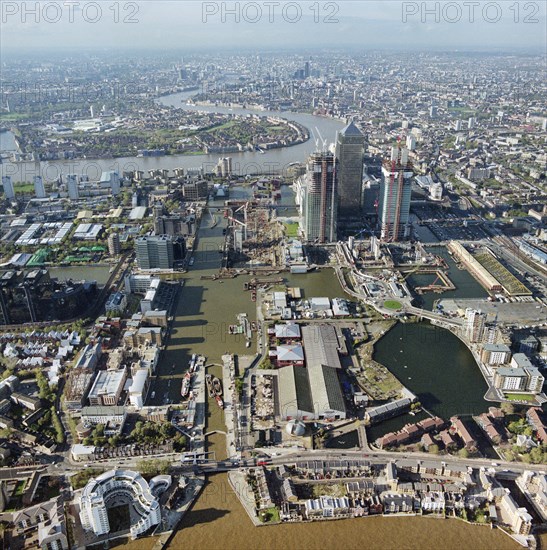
(395, 191)
(319, 198)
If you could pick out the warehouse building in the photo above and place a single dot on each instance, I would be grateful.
(312, 392)
(475, 267)
(139, 388)
(108, 387)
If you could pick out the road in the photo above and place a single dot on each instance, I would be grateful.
(20, 472)
(378, 457)
(198, 466)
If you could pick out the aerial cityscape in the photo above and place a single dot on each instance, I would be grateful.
(271, 278)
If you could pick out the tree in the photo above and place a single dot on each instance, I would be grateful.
(463, 453)
(508, 408)
(98, 436)
(151, 468)
(434, 449)
(8, 372)
(45, 392)
(538, 455)
(517, 426)
(239, 385)
(179, 442)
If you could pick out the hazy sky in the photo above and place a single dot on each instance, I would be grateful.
(189, 25)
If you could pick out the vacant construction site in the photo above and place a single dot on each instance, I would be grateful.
(254, 236)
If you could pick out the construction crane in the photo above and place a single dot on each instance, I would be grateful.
(236, 221)
(320, 142)
(244, 208)
(398, 164)
(389, 233)
(366, 230)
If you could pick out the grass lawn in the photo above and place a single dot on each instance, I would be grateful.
(520, 397)
(393, 304)
(223, 126)
(23, 188)
(19, 489)
(291, 230)
(80, 479)
(12, 116)
(272, 514)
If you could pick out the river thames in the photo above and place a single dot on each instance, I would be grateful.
(217, 519)
(271, 161)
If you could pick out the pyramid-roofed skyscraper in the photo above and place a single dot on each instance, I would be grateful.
(350, 149)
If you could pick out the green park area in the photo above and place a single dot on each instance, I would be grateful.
(520, 397)
(270, 515)
(393, 304)
(291, 230)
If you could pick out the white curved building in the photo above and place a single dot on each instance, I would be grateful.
(114, 488)
(295, 427)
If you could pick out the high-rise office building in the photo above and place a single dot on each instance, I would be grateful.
(371, 191)
(474, 325)
(350, 149)
(195, 190)
(39, 189)
(154, 252)
(395, 191)
(224, 167)
(319, 200)
(159, 228)
(174, 226)
(72, 187)
(411, 142)
(112, 180)
(7, 184)
(114, 247)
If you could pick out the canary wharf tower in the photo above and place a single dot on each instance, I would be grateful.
(350, 149)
